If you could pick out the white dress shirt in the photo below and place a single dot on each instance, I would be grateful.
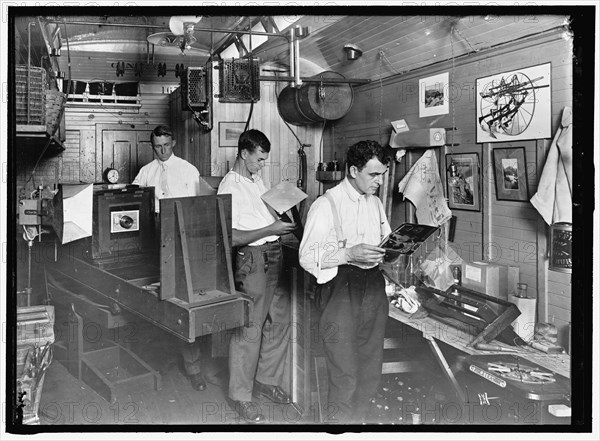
(362, 220)
(248, 211)
(183, 179)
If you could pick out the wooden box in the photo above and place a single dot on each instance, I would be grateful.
(495, 280)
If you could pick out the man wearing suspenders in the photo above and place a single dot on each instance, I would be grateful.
(340, 248)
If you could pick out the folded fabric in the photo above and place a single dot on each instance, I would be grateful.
(553, 199)
(423, 187)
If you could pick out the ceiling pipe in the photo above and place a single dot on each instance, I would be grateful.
(127, 25)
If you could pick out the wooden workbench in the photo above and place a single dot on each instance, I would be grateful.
(434, 329)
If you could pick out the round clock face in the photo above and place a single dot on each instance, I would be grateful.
(111, 175)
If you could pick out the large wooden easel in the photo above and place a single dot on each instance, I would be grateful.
(195, 254)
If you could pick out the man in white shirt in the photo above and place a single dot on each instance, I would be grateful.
(174, 177)
(257, 353)
(170, 175)
(340, 248)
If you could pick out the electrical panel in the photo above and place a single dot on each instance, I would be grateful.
(194, 89)
(238, 80)
(196, 94)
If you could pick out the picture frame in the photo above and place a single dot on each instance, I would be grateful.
(229, 132)
(463, 181)
(510, 174)
(433, 95)
(514, 105)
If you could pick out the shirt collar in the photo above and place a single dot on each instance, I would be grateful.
(254, 178)
(169, 162)
(354, 195)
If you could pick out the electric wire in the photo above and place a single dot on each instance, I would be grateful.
(60, 114)
(452, 79)
(465, 39)
(381, 55)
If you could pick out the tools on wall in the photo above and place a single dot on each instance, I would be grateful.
(138, 68)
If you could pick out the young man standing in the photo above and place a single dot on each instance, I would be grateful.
(257, 353)
(340, 248)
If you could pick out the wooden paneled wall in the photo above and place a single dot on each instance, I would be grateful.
(504, 232)
(78, 162)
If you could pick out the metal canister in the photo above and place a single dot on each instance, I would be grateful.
(457, 274)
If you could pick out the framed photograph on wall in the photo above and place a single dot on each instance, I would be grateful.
(463, 181)
(433, 95)
(510, 173)
(515, 105)
(229, 133)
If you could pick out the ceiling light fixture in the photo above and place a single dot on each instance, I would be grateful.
(353, 51)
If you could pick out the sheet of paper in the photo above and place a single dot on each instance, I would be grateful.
(283, 196)
(423, 187)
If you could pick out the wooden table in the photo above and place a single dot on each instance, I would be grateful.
(434, 330)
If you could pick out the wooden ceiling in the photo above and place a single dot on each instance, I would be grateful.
(391, 44)
(398, 44)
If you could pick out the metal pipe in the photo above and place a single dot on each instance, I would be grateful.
(217, 30)
(292, 57)
(315, 80)
(29, 67)
(297, 61)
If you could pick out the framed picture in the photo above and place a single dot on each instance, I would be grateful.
(463, 181)
(514, 105)
(433, 95)
(229, 133)
(510, 173)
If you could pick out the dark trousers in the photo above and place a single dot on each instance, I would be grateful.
(259, 350)
(192, 355)
(354, 310)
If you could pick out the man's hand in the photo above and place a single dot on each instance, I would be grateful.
(279, 227)
(364, 253)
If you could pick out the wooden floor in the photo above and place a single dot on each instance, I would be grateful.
(66, 400)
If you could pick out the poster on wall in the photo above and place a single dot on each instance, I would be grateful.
(433, 95)
(514, 105)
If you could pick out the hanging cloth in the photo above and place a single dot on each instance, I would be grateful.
(423, 187)
(553, 198)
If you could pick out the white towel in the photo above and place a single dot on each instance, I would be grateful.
(423, 187)
(553, 198)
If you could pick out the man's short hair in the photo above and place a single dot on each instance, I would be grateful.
(161, 131)
(363, 151)
(252, 139)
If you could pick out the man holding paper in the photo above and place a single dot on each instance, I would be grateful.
(340, 247)
(256, 353)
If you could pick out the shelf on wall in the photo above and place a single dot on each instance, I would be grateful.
(37, 136)
(330, 176)
(87, 100)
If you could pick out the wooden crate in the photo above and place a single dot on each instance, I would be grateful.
(30, 102)
(55, 102)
